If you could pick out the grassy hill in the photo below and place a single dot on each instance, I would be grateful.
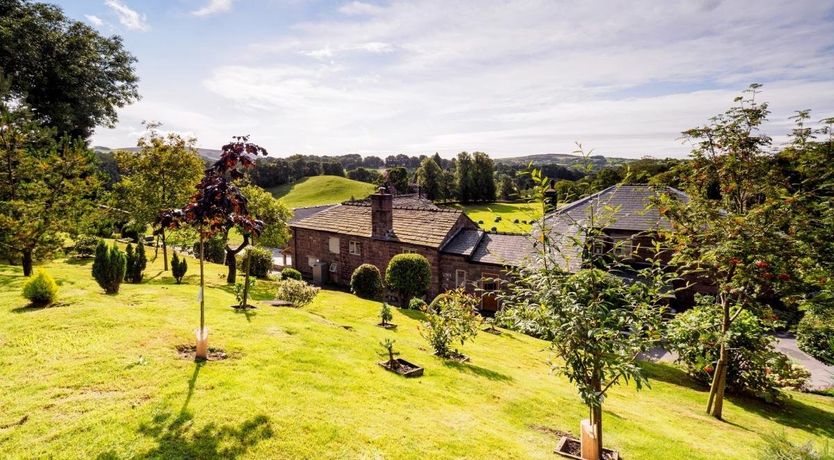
(317, 190)
(99, 376)
(508, 212)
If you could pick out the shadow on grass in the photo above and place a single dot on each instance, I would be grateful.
(477, 370)
(247, 312)
(79, 260)
(31, 307)
(413, 314)
(262, 290)
(6, 280)
(671, 374)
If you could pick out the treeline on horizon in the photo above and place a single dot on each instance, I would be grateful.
(467, 178)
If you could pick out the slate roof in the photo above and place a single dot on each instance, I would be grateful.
(631, 205)
(503, 249)
(303, 213)
(414, 226)
(464, 242)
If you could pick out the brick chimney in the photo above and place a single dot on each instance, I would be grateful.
(382, 214)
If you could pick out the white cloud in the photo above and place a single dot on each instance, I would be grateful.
(518, 77)
(213, 7)
(94, 20)
(128, 17)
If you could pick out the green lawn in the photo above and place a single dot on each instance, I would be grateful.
(99, 377)
(508, 212)
(318, 190)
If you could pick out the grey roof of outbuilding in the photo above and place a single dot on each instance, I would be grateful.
(490, 248)
(619, 207)
(464, 242)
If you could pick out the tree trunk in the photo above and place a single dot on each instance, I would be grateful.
(715, 405)
(231, 263)
(27, 262)
(164, 252)
(202, 352)
(246, 281)
(596, 418)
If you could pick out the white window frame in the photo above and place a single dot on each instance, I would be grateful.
(355, 248)
(408, 250)
(624, 248)
(458, 282)
(330, 244)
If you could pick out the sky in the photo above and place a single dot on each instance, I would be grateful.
(509, 78)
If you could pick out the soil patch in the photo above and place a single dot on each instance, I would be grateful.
(387, 325)
(214, 354)
(402, 367)
(244, 307)
(572, 448)
(280, 303)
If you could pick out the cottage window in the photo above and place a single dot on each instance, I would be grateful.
(598, 247)
(334, 245)
(355, 248)
(460, 278)
(623, 248)
(409, 251)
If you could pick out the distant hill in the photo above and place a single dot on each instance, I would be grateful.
(564, 159)
(208, 154)
(318, 190)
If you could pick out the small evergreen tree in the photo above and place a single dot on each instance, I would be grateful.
(178, 268)
(109, 267)
(136, 261)
(385, 314)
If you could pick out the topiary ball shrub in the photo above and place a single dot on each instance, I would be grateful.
(85, 246)
(815, 336)
(40, 289)
(480, 222)
(178, 268)
(417, 304)
(498, 219)
(296, 292)
(260, 262)
(109, 267)
(290, 273)
(366, 282)
(409, 275)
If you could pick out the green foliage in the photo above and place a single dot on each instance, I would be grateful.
(135, 263)
(428, 178)
(453, 318)
(240, 286)
(417, 303)
(178, 267)
(815, 335)
(385, 313)
(74, 78)
(366, 281)
(214, 249)
(290, 273)
(273, 213)
(296, 292)
(755, 367)
(388, 346)
(85, 245)
(40, 289)
(409, 275)
(109, 267)
(397, 179)
(778, 447)
(260, 261)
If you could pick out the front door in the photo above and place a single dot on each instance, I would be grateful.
(489, 284)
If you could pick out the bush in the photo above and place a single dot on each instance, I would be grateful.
(755, 367)
(135, 263)
(214, 249)
(385, 314)
(417, 303)
(296, 292)
(452, 318)
(815, 336)
(366, 281)
(515, 221)
(133, 231)
(260, 260)
(178, 267)
(40, 289)
(779, 447)
(109, 267)
(497, 218)
(85, 246)
(409, 275)
(239, 286)
(290, 273)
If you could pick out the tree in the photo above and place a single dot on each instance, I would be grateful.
(274, 215)
(428, 178)
(409, 275)
(217, 206)
(398, 179)
(160, 175)
(46, 186)
(736, 227)
(597, 324)
(483, 177)
(465, 178)
(109, 267)
(178, 267)
(453, 317)
(136, 263)
(73, 78)
(506, 188)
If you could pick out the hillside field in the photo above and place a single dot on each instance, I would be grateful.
(318, 190)
(508, 212)
(99, 376)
